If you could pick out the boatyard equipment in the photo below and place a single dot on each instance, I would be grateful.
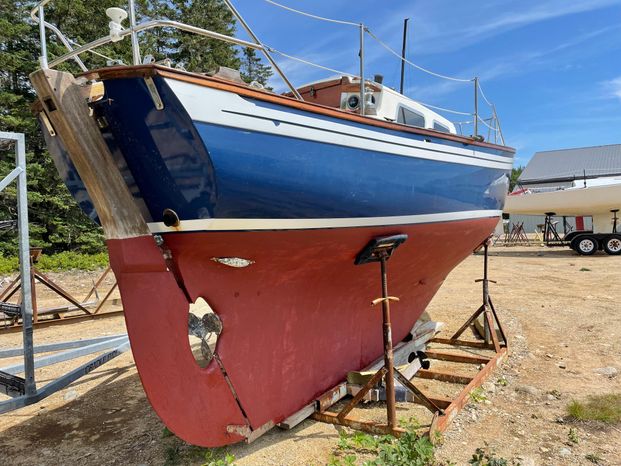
(454, 352)
(77, 311)
(584, 242)
(252, 200)
(380, 250)
(23, 391)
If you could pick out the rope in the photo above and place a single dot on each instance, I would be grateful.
(418, 67)
(291, 57)
(483, 95)
(321, 18)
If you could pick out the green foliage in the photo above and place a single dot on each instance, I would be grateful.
(604, 408)
(409, 449)
(584, 269)
(486, 457)
(513, 178)
(67, 260)
(593, 458)
(572, 435)
(253, 69)
(478, 395)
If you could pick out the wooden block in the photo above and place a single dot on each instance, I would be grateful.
(297, 417)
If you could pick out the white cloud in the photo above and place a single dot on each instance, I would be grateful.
(451, 26)
(613, 87)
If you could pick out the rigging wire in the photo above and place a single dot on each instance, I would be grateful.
(321, 18)
(442, 109)
(418, 67)
(485, 123)
(483, 94)
(301, 60)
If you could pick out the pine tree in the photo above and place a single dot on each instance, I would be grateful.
(253, 69)
(201, 54)
(57, 223)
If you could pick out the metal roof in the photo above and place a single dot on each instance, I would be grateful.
(570, 164)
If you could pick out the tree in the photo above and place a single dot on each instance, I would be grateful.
(198, 53)
(56, 222)
(515, 174)
(253, 69)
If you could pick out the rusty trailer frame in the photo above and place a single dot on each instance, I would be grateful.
(444, 410)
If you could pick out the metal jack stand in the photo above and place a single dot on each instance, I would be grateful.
(487, 309)
(23, 391)
(380, 250)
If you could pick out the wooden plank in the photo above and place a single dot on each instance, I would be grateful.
(64, 104)
(298, 417)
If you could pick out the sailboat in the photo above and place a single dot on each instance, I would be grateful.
(252, 206)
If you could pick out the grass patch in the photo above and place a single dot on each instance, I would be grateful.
(584, 269)
(59, 262)
(384, 450)
(604, 408)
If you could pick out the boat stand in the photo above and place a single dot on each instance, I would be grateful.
(485, 355)
(77, 310)
(23, 391)
(380, 250)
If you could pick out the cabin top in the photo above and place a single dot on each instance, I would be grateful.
(381, 102)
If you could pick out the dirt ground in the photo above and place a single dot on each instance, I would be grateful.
(563, 316)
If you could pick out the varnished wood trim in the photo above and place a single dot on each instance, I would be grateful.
(266, 96)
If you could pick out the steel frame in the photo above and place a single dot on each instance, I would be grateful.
(24, 391)
(444, 410)
(55, 314)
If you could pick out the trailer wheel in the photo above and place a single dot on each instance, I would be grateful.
(612, 245)
(585, 245)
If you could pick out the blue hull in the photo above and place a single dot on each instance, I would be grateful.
(205, 170)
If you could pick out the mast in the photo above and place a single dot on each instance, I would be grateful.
(405, 37)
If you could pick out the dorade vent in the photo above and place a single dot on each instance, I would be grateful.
(228, 74)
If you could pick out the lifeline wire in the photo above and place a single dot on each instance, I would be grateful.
(418, 67)
(483, 95)
(321, 18)
(485, 123)
(444, 109)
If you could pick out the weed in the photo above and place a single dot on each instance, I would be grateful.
(166, 433)
(605, 408)
(478, 395)
(409, 449)
(584, 269)
(486, 457)
(502, 381)
(593, 458)
(173, 455)
(573, 435)
(217, 457)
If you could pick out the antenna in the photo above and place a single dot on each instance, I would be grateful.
(405, 37)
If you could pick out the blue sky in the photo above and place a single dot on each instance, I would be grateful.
(552, 67)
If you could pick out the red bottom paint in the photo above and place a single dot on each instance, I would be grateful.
(294, 322)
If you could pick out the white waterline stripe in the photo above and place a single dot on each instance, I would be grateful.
(242, 224)
(214, 107)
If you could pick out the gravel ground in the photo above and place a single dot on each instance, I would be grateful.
(562, 314)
